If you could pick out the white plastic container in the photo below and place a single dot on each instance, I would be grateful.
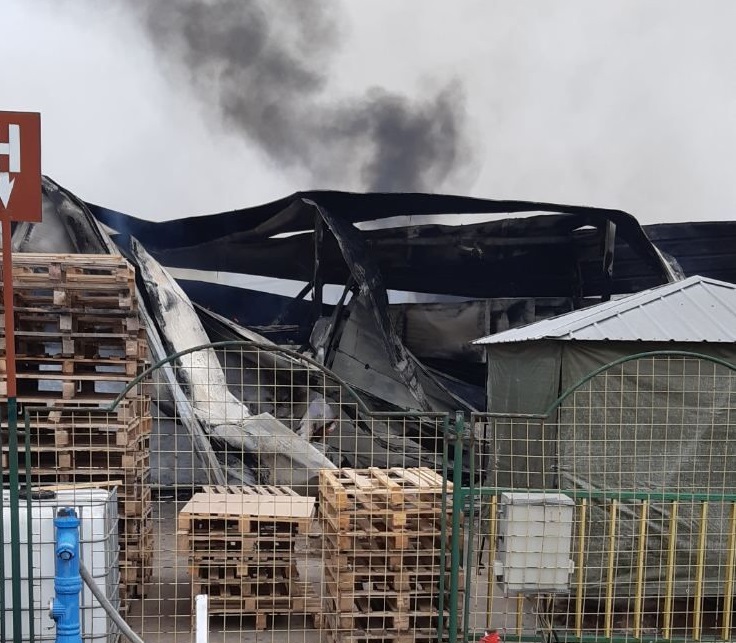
(534, 540)
(98, 513)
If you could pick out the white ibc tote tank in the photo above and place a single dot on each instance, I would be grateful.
(97, 510)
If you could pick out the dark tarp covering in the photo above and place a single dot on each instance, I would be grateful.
(647, 425)
(556, 254)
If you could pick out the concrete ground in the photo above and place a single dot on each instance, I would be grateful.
(165, 615)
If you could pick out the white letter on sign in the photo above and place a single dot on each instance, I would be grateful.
(11, 149)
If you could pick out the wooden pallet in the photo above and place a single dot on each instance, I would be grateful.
(209, 545)
(379, 581)
(254, 490)
(77, 345)
(41, 323)
(301, 600)
(100, 458)
(126, 409)
(414, 517)
(39, 361)
(118, 436)
(240, 542)
(48, 438)
(421, 555)
(132, 507)
(139, 551)
(374, 535)
(115, 435)
(347, 488)
(386, 554)
(384, 636)
(76, 325)
(44, 280)
(254, 559)
(226, 571)
(384, 613)
(131, 527)
(268, 512)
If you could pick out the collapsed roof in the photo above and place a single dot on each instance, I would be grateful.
(387, 290)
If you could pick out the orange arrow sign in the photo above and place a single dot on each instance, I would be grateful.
(20, 166)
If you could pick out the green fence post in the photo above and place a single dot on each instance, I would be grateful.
(29, 521)
(2, 562)
(469, 567)
(15, 519)
(443, 528)
(457, 504)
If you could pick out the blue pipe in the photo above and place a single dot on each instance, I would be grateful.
(65, 607)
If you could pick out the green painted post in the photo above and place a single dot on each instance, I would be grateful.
(471, 535)
(2, 564)
(443, 528)
(29, 521)
(15, 518)
(457, 505)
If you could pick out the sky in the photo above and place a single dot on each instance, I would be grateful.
(628, 104)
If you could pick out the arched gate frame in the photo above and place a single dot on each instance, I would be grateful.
(103, 435)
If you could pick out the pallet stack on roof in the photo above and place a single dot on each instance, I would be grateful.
(240, 542)
(79, 342)
(386, 556)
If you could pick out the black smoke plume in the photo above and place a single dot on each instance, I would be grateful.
(264, 66)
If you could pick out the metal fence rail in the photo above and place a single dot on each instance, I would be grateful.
(642, 449)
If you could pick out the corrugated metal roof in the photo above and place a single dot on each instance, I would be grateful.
(696, 309)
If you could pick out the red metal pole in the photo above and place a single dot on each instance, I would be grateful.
(8, 303)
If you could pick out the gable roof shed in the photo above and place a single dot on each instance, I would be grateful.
(696, 309)
(530, 366)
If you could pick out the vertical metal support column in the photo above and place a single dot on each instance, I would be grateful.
(457, 506)
(580, 583)
(443, 528)
(492, 537)
(471, 535)
(610, 569)
(65, 607)
(697, 632)
(728, 587)
(14, 507)
(640, 561)
(14, 504)
(669, 592)
(2, 564)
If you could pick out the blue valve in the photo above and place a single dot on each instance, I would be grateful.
(65, 608)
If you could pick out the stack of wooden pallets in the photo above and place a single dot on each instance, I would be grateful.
(384, 554)
(241, 547)
(79, 342)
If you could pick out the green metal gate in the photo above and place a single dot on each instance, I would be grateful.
(644, 450)
(642, 447)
